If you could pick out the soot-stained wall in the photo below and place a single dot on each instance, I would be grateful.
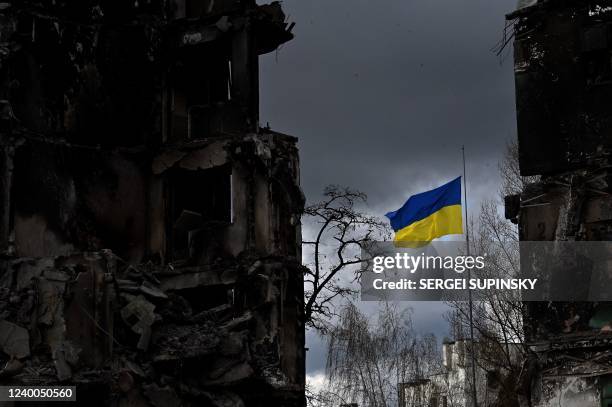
(563, 72)
(149, 227)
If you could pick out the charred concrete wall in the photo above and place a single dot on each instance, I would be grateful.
(563, 71)
(149, 228)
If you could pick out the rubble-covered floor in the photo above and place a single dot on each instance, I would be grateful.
(149, 345)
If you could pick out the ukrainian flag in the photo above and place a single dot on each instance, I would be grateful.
(428, 215)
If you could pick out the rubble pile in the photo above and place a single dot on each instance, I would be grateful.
(93, 321)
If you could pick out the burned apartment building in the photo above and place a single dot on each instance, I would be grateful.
(563, 74)
(149, 227)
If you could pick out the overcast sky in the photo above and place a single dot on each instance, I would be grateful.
(383, 93)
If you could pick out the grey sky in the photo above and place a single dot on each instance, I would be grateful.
(383, 93)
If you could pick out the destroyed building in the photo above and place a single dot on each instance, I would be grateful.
(149, 227)
(563, 76)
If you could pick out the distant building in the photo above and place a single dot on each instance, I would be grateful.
(451, 387)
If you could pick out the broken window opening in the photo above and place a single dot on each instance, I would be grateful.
(201, 95)
(197, 199)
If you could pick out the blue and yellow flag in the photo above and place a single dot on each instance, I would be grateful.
(428, 215)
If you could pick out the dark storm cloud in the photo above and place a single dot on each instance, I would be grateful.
(383, 93)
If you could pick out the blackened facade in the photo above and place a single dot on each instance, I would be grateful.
(149, 226)
(563, 71)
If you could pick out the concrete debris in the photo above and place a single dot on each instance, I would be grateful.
(128, 286)
(14, 340)
(178, 343)
(223, 399)
(65, 357)
(139, 316)
(177, 328)
(135, 369)
(12, 367)
(150, 290)
(239, 323)
(217, 314)
(192, 280)
(166, 160)
(227, 371)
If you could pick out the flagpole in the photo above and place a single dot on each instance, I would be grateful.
(467, 241)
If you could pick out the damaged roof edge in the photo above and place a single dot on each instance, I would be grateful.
(524, 7)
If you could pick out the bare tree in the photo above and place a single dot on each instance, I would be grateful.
(497, 317)
(368, 358)
(323, 397)
(341, 231)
